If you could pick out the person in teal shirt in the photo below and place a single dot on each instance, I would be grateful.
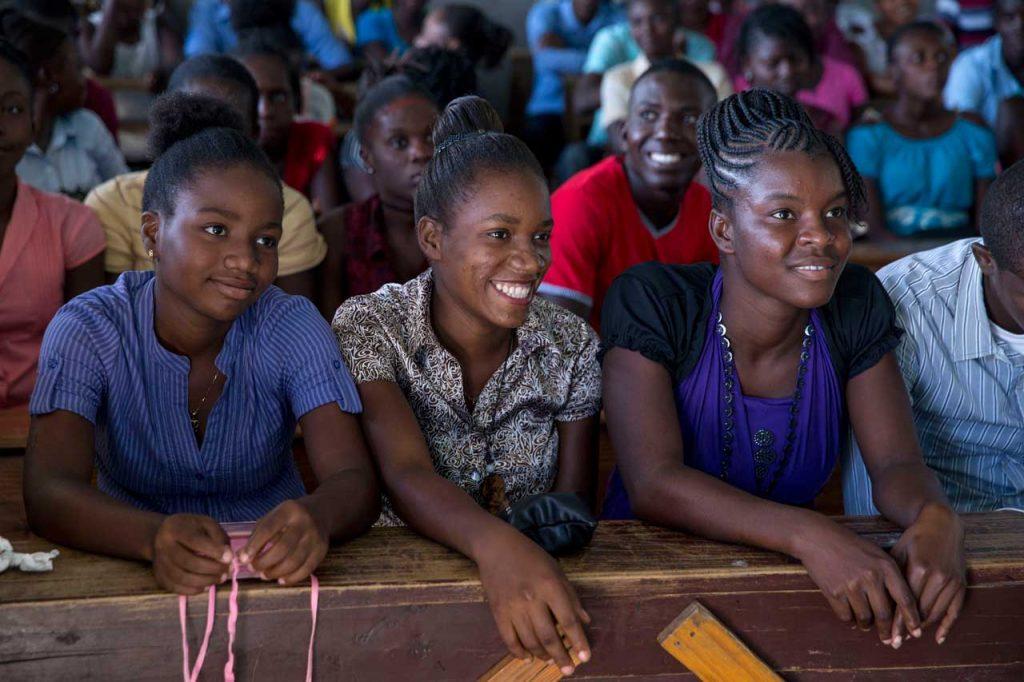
(382, 31)
(925, 168)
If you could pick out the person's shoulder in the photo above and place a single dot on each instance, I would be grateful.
(928, 274)
(972, 123)
(109, 308)
(389, 307)
(278, 313)
(665, 280)
(868, 129)
(125, 189)
(568, 332)
(986, 53)
(57, 208)
(591, 184)
(87, 126)
(313, 130)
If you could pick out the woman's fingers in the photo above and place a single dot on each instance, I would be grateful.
(882, 612)
(302, 572)
(861, 608)
(940, 607)
(841, 607)
(952, 613)
(511, 639)
(185, 559)
(205, 536)
(266, 530)
(570, 614)
(524, 630)
(906, 603)
(933, 587)
(547, 635)
(283, 544)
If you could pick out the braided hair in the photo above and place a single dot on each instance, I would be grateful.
(740, 129)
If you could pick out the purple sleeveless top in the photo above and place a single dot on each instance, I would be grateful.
(699, 405)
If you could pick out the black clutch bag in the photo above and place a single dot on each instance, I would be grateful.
(559, 522)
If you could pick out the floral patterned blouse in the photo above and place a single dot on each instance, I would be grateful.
(552, 375)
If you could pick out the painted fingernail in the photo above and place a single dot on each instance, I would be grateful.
(280, 581)
(916, 632)
(567, 670)
(897, 642)
(225, 558)
(942, 639)
(584, 655)
(887, 642)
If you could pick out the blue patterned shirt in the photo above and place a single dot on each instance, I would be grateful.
(101, 359)
(966, 386)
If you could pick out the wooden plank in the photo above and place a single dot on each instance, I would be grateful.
(878, 254)
(396, 606)
(14, 427)
(700, 642)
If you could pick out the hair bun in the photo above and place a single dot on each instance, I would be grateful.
(465, 117)
(177, 116)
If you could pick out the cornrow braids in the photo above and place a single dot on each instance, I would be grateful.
(742, 128)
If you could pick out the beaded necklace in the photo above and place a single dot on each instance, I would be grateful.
(763, 439)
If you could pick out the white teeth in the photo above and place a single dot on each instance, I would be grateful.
(811, 267)
(664, 159)
(514, 290)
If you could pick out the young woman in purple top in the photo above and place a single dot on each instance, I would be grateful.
(182, 386)
(727, 390)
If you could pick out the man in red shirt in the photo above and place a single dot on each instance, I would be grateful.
(639, 207)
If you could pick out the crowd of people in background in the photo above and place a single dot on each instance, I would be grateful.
(223, 218)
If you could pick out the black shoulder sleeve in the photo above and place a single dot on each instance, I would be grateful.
(861, 322)
(659, 311)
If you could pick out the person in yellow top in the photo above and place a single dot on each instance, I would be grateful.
(342, 15)
(118, 202)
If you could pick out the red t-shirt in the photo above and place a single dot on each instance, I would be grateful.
(309, 143)
(599, 233)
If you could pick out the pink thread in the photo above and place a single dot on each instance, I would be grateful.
(229, 667)
(211, 609)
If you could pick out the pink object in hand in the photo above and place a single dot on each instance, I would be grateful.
(238, 535)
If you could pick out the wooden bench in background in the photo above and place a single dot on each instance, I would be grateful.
(394, 606)
(878, 254)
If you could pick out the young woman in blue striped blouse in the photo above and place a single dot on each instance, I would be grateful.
(182, 387)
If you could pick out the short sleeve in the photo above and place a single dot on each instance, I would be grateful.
(119, 222)
(605, 51)
(540, 20)
(575, 246)
(302, 247)
(984, 156)
(320, 41)
(861, 321)
(964, 90)
(651, 310)
(615, 96)
(314, 372)
(862, 144)
(584, 399)
(363, 341)
(71, 374)
(81, 235)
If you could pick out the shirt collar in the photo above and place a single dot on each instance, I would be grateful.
(972, 337)
(533, 334)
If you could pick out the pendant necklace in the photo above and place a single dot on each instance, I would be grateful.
(193, 415)
(492, 488)
(763, 438)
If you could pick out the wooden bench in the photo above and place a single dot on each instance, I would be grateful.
(878, 254)
(394, 606)
(14, 428)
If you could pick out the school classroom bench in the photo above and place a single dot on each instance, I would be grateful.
(394, 606)
(14, 428)
(878, 254)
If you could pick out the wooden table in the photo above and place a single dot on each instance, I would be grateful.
(394, 606)
(878, 254)
(14, 428)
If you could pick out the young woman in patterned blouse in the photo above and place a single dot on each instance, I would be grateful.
(473, 392)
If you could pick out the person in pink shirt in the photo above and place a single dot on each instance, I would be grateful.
(776, 51)
(51, 247)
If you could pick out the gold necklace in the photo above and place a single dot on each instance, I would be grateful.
(194, 414)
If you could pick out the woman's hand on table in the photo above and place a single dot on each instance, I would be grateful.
(861, 582)
(931, 552)
(530, 599)
(190, 553)
(287, 544)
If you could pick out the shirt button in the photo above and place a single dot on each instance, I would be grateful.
(337, 364)
(52, 363)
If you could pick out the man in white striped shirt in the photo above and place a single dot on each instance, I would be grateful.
(962, 357)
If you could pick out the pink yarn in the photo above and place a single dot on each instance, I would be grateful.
(211, 608)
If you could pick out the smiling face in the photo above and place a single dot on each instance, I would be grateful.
(920, 65)
(16, 131)
(787, 229)
(661, 130)
(490, 257)
(277, 101)
(777, 65)
(218, 252)
(652, 24)
(398, 146)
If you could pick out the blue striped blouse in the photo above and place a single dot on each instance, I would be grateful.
(101, 359)
(967, 388)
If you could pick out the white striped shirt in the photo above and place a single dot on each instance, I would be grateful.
(966, 386)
